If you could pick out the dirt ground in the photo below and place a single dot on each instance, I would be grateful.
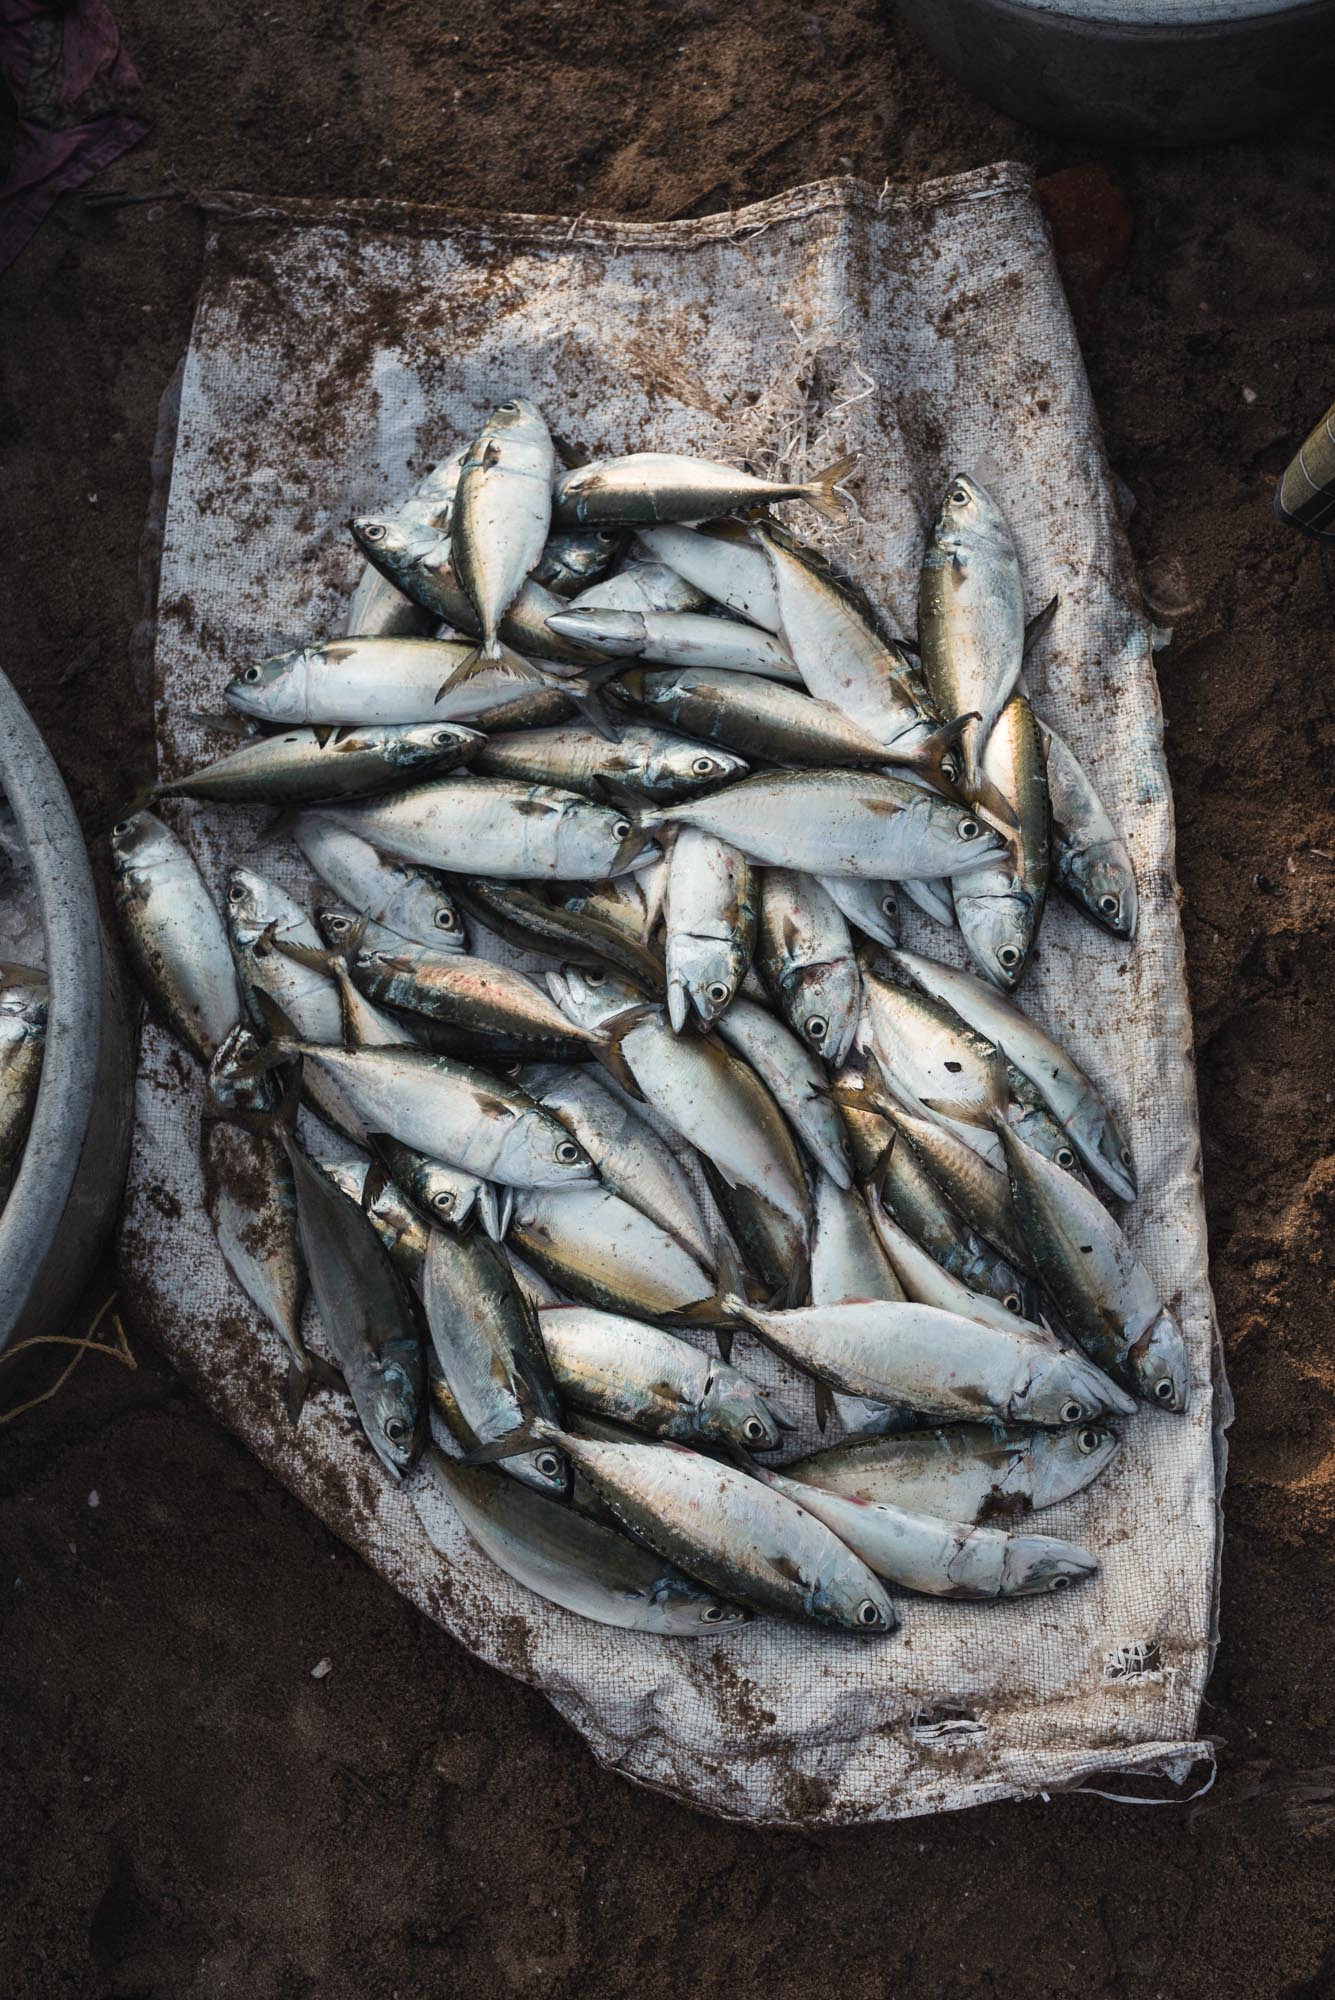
(186, 1812)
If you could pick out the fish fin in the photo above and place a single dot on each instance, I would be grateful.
(1039, 624)
(799, 1278)
(723, 1341)
(821, 491)
(976, 785)
(533, 1395)
(572, 456)
(782, 1417)
(590, 707)
(634, 847)
(824, 1404)
(513, 1445)
(331, 962)
(276, 827)
(326, 1375)
(786, 1567)
(295, 1388)
(609, 792)
(933, 756)
(278, 1023)
(947, 1107)
(490, 656)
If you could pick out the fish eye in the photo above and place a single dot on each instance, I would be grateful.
(396, 1430)
(374, 531)
(1089, 1440)
(1059, 1583)
(620, 829)
(445, 918)
(1164, 1390)
(869, 1613)
(717, 991)
(444, 1201)
(548, 1464)
(1009, 956)
(968, 829)
(703, 766)
(753, 1431)
(567, 1153)
(889, 907)
(1125, 1156)
(1065, 1157)
(949, 770)
(1071, 1411)
(1108, 905)
(121, 828)
(714, 1614)
(816, 1027)
(960, 496)
(442, 739)
(236, 892)
(595, 977)
(338, 925)
(1012, 1302)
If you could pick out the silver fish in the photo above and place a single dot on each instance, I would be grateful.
(23, 1007)
(637, 758)
(503, 512)
(1092, 863)
(971, 615)
(173, 934)
(839, 823)
(484, 1333)
(492, 826)
(1106, 1298)
(391, 895)
(462, 991)
(710, 917)
(847, 1262)
(677, 639)
(593, 1245)
(805, 957)
(722, 561)
(730, 1532)
(390, 681)
(929, 1057)
(977, 1190)
(932, 1283)
(999, 908)
(651, 486)
(872, 906)
(941, 1558)
(607, 927)
(583, 1565)
(377, 608)
(973, 1472)
(794, 1079)
(303, 766)
(641, 586)
(937, 1362)
(653, 1380)
(1063, 1086)
(631, 1159)
(762, 720)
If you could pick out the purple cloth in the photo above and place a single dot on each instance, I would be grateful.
(79, 105)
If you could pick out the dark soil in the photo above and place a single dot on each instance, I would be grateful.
(186, 1811)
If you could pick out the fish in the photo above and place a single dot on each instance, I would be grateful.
(873, 906)
(636, 758)
(378, 609)
(702, 1091)
(304, 766)
(933, 1283)
(971, 627)
(651, 486)
(847, 1262)
(723, 562)
(1065, 1089)
(805, 958)
(251, 1199)
(641, 585)
(971, 1472)
(861, 823)
(758, 719)
(926, 1055)
(450, 1111)
(1106, 1298)
(978, 1192)
(710, 917)
(390, 895)
(462, 991)
(938, 1363)
(631, 1159)
(653, 1380)
(486, 1343)
(442, 1195)
(941, 1558)
(795, 1080)
(173, 934)
(498, 827)
(676, 639)
(1092, 864)
(366, 1311)
(588, 931)
(342, 682)
(1030, 1117)
(999, 908)
(596, 1246)
(733, 1534)
(583, 1565)
(23, 1010)
(574, 562)
(503, 512)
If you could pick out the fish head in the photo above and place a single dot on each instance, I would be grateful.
(969, 514)
(1106, 1151)
(253, 903)
(1065, 1462)
(539, 1151)
(590, 995)
(1065, 1388)
(337, 926)
(853, 1598)
(516, 415)
(594, 842)
(546, 1470)
(273, 690)
(739, 1409)
(949, 839)
(416, 902)
(139, 843)
(1159, 1365)
(416, 743)
(397, 1429)
(396, 546)
(704, 973)
(623, 634)
(349, 1176)
(683, 1608)
(1000, 930)
(449, 1197)
(1034, 1565)
(230, 1084)
(687, 770)
(1107, 888)
(825, 1004)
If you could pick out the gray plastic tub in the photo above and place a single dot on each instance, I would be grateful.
(68, 1186)
(1137, 72)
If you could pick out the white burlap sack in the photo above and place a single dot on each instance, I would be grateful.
(336, 353)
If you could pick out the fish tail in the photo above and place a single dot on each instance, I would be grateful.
(490, 656)
(295, 1389)
(821, 492)
(1039, 624)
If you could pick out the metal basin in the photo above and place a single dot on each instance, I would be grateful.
(1137, 72)
(68, 1185)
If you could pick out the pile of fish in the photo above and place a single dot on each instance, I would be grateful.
(600, 1040)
